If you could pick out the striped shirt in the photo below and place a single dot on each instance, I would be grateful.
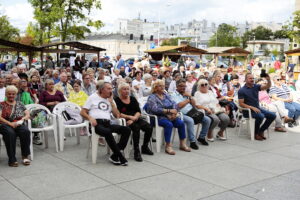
(281, 92)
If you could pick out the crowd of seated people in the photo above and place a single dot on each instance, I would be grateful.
(181, 97)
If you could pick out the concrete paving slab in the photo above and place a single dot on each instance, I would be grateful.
(268, 162)
(278, 188)
(57, 183)
(171, 186)
(227, 174)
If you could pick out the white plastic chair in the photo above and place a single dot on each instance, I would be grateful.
(249, 121)
(51, 127)
(57, 110)
(94, 138)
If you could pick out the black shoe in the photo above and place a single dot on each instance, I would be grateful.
(194, 146)
(153, 140)
(290, 124)
(114, 159)
(202, 141)
(123, 160)
(37, 140)
(137, 155)
(295, 123)
(146, 150)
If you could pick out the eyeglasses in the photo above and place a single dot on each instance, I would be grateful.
(279, 79)
(204, 85)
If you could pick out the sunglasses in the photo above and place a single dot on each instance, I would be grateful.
(279, 79)
(204, 85)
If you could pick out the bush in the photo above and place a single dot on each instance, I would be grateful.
(271, 70)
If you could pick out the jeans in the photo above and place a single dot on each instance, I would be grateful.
(221, 119)
(259, 117)
(168, 126)
(293, 108)
(10, 136)
(106, 130)
(189, 122)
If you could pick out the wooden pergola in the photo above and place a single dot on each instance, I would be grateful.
(174, 52)
(69, 47)
(228, 51)
(73, 47)
(9, 46)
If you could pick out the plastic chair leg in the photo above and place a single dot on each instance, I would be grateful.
(95, 139)
(61, 138)
(55, 139)
(45, 134)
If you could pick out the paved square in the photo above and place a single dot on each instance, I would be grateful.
(235, 169)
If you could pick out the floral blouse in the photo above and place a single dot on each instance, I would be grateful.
(155, 105)
(12, 114)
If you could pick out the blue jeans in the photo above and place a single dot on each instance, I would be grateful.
(168, 126)
(189, 122)
(293, 108)
(259, 117)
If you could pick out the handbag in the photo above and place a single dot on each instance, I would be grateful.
(224, 102)
(196, 115)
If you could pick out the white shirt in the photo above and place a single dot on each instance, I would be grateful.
(207, 100)
(172, 87)
(99, 108)
(2, 94)
(140, 83)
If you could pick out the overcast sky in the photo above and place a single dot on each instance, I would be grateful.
(173, 11)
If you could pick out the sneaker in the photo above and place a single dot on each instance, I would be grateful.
(123, 160)
(146, 150)
(194, 146)
(37, 140)
(203, 141)
(291, 125)
(114, 159)
(295, 123)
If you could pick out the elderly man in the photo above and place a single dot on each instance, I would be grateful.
(88, 87)
(120, 62)
(281, 92)
(248, 98)
(97, 110)
(2, 88)
(185, 103)
(63, 85)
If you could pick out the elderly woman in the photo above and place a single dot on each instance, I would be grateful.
(130, 110)
(207, 102)
(159, 103)
(280, 92)
(137, 84)
(189, 83)
(12, 115)
(146, 87)
(50, 97)
(274, 106)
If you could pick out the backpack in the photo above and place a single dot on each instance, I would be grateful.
(39, 118)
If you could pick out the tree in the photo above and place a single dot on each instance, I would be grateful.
(66, 19)
(8, 32)
(225, 36)
(259, 33)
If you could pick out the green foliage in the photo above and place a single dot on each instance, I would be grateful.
(8, 32)
(271, 70)
(275, 52)
(67, 19)
(167, 62)
(174, 41)
(267, 52)
(259, 33)
(225, 36)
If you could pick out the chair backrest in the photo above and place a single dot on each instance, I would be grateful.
(59, 108)
(32, 107)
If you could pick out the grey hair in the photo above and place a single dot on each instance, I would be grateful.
(100, 84)
(11, 88)
(147, 76)
(55, 71)
(47, 82)
(201, 81)
(121, 86)
(276, 77)
(182, 80)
